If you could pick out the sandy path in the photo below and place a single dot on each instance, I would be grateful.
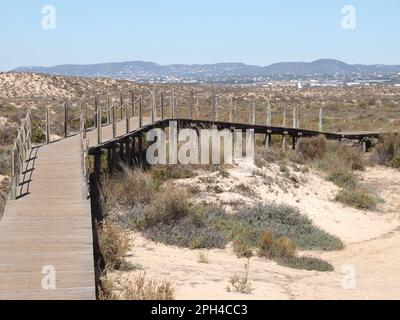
(368, 267)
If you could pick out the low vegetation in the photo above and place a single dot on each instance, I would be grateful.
(305, 263)
(357, 198)
(387, 151)
(114, 245)
(139, 288)
(240, 282)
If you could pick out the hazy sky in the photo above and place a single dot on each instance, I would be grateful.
(202, 31)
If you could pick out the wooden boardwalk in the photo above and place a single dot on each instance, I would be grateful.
(51, 225)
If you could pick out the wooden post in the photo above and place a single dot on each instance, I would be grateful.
(235, 107)
(268, 140)
(48, 138)
(197, 108)
(140, 112)
(191, 104)
(213, 103)
(173, 105)
(269, 115)
(294, 142)
(133, 102)
(99, 126)
(231, 109)
(162, 104)
(284, 126)
(110, 158)
(127, 119)
(81, 106)
(65, 120)
(114, 124)
(96, 110)
(108, 109)
(152, 105)
(364, 145)
(14, 178)
(121, 103)
(321, 120)
(298, 117)
(253, 117)
(140, 148)
(294, 117)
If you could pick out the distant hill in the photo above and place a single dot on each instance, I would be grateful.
(140, 70)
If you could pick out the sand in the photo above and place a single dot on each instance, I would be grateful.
(368, 267)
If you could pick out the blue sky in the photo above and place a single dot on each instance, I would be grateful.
(181, 31)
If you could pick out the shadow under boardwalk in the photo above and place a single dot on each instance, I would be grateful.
(46, 241)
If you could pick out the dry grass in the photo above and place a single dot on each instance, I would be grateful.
(128, 188)
(141, 289)
(387, 151)
(114, 244)
(240, 282)
(203, 258)
(270, 247)
(311, 148)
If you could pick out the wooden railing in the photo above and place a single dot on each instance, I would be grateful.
(22, 146)
(84, 143)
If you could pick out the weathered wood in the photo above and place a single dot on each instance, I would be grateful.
(173, 105)
(127, 121)
(152, 105)
(284, 126)
(121, 103)
(114, 128)
(140, 112)
(65, 120)
(96, 109)
(48, 138)
(321, 120)
(213, 107)
(49, 225)
(253, 115)
(162, 104)
(231, 108)
(99, 125)
(133, 102)
(294, 117)
(108, 108)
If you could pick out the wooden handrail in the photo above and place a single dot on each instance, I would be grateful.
(22, 145)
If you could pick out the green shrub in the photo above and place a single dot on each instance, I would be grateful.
(162, 173)
(311, 148)
(357, 198)
(186, 234)
(282, 221)
(305, 263)
(38, 135)
(242, 242)
(343, 178)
